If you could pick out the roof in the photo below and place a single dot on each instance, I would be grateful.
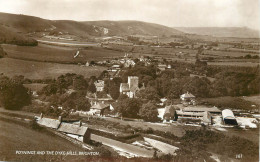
(124, 87)
(190, 113)
(51, 123)
(169, 109)
(201, 109)
(100, 106)
(72, 129)
(162, 65)
(99, 83)
(228, 114)
(187, 95)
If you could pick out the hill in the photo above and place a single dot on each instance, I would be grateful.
(239, 32)
(28, 24)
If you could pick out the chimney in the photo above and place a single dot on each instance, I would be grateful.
(41, 116)
(60, 118)
(80, 123)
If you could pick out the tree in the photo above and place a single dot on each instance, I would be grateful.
(149, 112)
(13, 95)
(50, 89)
(149, 93)
(114, 91)
(128, 107)
(79, 83)
(92, 87)
(76, 101)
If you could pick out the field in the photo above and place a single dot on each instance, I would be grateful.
(42, 70)
(241, 103)
(231, 63)
(58, 54)
(19, 138)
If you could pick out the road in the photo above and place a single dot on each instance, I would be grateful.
(69, 44)
(123, 146)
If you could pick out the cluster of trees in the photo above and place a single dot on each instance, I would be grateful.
(18, 40)
(136, 108)
(13, 95)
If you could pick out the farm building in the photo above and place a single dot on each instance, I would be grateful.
(74, 129)
(228, 117)
(131, 87)
(99, 85)
(99, 108)
(67, 128)
(182, 114)
(162, 67)
(213, 110)
(48, 122)
(195, 111)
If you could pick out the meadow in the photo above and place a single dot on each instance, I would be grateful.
(43, 70)
(59, 54)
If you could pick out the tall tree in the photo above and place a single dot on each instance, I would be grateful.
(149, 112)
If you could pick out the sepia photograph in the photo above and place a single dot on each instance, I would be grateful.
(129, 80)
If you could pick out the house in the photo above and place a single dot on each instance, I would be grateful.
(74, 129)
(131, 87)
(129, 63)
(99, 85)
(115, 68)
(162, 67)
(228, 117)
(99, 108)
(188, 98)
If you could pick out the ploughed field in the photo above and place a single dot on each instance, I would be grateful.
(44, 70)
(59, 54)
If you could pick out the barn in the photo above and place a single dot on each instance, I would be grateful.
(74, 129)
(228, 117)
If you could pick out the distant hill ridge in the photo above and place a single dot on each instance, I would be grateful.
(25, 24)
(239, 32)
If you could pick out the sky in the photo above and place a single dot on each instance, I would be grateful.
(173, 13)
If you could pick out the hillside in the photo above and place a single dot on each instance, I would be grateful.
(28, 24)
(9, 36)
(240, 32)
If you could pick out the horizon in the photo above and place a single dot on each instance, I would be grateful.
(177, 13)
(136, 21)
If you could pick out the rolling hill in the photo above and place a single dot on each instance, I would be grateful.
(239, 32)
(28, 24)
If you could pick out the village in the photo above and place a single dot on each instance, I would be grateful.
(183, 112)
(126, 90)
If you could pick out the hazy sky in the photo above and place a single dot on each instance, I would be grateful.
(175, 13)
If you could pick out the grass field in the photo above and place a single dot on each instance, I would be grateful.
(48, 53)
(19, 138)
(231, 63)
(40, 70)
